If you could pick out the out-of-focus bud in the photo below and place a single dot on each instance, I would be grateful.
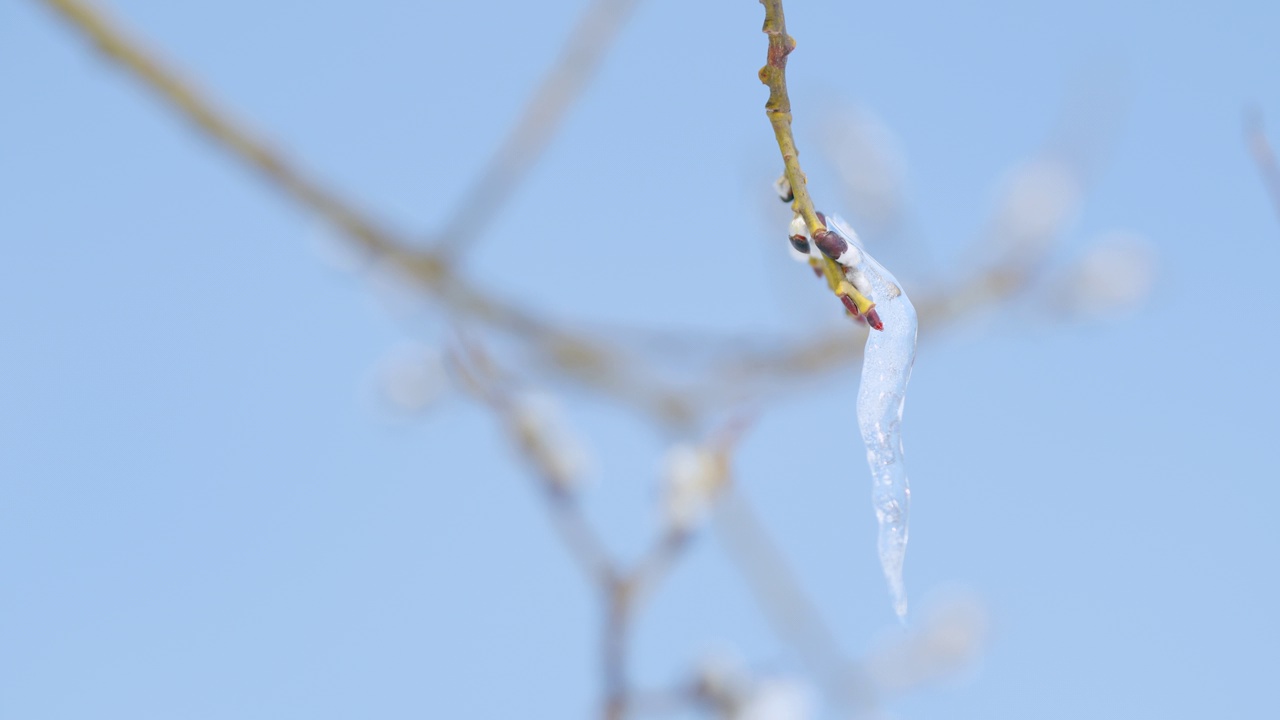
(547, 439)
(1039, 199)
(946, 643)
(722, 682)
(735, 693)
(777, 699)
(692, 477)
(866, 155)
(413, 377)
(783, 187)
(1114, 277)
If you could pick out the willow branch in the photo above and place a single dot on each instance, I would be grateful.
(778, 109)
(544, 114)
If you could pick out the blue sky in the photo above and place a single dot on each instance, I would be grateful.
(205, 512)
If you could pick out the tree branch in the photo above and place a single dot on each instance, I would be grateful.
(544, 114)
(794, 617)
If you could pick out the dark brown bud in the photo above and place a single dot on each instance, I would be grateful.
(831, 244)
(800, 243)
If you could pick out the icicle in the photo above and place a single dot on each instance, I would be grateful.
(886, 368)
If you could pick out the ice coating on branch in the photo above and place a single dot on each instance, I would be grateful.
(886, 369)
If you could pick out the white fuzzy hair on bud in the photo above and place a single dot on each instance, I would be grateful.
(798, 228)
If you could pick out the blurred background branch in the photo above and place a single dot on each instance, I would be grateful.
(579, 59)
(716, 374)
(1263, 156)
(620, 363)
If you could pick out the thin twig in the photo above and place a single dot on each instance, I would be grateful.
(579, 536)
(532, 133)
(654, 564)
(778, 108)
(617, 632)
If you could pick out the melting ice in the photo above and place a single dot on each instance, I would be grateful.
(886, 368)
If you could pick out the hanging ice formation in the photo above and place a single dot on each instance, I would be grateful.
(886, 369)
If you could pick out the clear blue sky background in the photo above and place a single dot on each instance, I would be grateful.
(203, 514)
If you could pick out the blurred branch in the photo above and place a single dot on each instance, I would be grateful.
(179, 94)
(622, 590)
(690, 492)
(527, 431)
(625, 366)
(573, 355)
(1263, 156)
(482, 378)
(616, 636)
(794, 618)
(615, 368)
(544, 114)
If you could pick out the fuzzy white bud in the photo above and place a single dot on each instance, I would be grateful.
(413, 377)
(1041, 198)
(546, 437)
(947, 642)
(1114, 276)
(777, 699)
(692, 477)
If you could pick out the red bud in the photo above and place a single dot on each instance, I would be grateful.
(873, 319)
